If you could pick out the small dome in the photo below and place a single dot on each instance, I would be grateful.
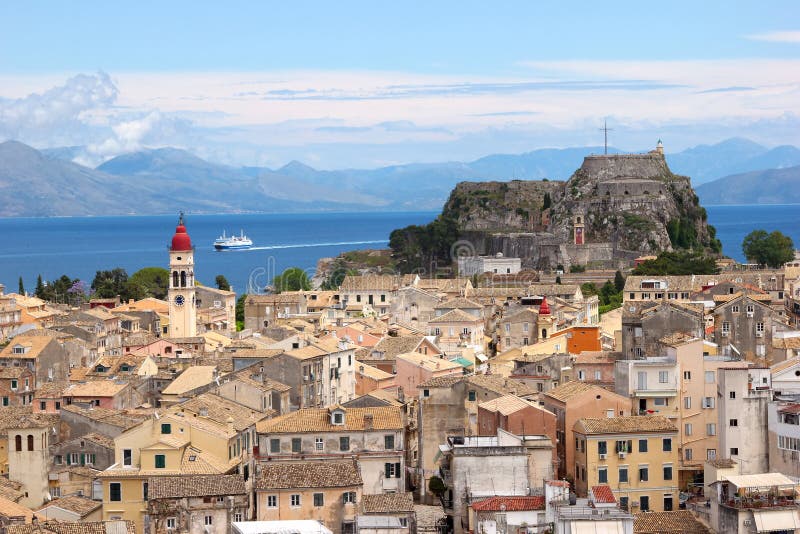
(499, 255)
(181, 240)
(544, 308)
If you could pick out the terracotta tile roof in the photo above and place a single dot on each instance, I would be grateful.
(391, 346)
(50, 390)
(292, 475)
(100, 439)
(441, 382)
(220, 410)
(11, 490)
(428, 362)
(95, 388)
(319, 420)
(197, 462)
(9, 508)
(786, 343)
(524, 314)
(508, 404)
(33, 344)
(722, 462)
(512, 504)
(677, 339)
(192, 378)
(679, 521)
(502, 385)
(119, 418)
(195, 486)
(373, 372)
(455, 316)
(370, 282)
(23, 417)
(571, 389)
(68, 527)
(613, 425)
(247, 376)
(597, 356)
(82, 506)
(387, 503)
(602, 494)
(13, 372)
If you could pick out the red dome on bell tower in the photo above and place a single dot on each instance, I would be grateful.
(181, 240)
(544, 309)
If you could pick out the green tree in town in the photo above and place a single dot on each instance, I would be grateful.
(148, 282)
(546, 201)
(240, 312)
(39, 287)
(619, 281)
(109, 284)
(21, 289)
(677, 263)
(222, 282)
(292, 279)
(772, 250)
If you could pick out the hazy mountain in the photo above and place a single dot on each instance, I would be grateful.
(161, 180)
(773, 186)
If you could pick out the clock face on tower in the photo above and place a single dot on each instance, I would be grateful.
(179, 300)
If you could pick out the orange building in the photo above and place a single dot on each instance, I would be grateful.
(581, 338)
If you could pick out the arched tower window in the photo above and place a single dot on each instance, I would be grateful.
(544, 333)
(578, 220)
(30, 442)
(18, 443)
(174, 278)
(183, 278)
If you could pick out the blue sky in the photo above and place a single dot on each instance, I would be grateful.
(343, 84)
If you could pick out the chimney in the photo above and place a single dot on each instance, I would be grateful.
(368, 421)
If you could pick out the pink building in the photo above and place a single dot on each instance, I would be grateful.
(414, 369)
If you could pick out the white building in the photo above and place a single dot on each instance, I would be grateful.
(744, 395)
(498, 264)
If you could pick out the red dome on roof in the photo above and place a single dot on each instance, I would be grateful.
(544, 309)
(181, 240)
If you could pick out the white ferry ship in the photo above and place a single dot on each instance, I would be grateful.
(234, 242)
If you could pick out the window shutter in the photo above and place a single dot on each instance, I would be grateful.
(397, 470)
(387, 470)
(83, 459)
(68, 459)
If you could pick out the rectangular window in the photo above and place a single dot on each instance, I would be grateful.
(319, 444)
(115, 491)
(663, 377)
(732, 394)
(392, 470)
(642, 445)
(734, 451)
(275, 445)
(296, 445)
(667, 444)
(644, 473)
(711, 429)
(711, 454)
(349, 497)
(272, 501)
(161, 461)
(319, 499)
(471, 395)
(294, 501)
(709, 377)
(58, 459)
(144, 490)
(760, 328)
(726, 328)
(170, 523)
(623, 503)
(687, 454)
(733, 422)
(623, 473)
(344, 443)
(388, 442)
(708, 402)
(237, 517)
(208, 520)
(687, 403)
(667, 472)
(602, 475)
(644, 503)
(602, 447)
(687, 375)
(42, 405)
(127, 457)
(166, 428)
(660, 401)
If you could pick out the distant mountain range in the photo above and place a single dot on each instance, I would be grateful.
(771, 186)
(47, 183)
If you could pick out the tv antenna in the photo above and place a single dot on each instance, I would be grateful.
(605, 129)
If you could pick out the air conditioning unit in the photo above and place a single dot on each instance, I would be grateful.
(725, 334)
(750, 314)
(747, 522)
(759, 334)
(622, 455)
(602, 456)
(634, 503)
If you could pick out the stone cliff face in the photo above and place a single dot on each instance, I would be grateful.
(628, 205)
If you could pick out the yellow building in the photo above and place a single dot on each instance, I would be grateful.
(326, 491)
(636, 456)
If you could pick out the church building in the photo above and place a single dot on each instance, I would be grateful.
(182, 297)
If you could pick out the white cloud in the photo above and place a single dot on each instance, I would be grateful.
(792, 36)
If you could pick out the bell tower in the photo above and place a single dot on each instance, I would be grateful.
(181, 294)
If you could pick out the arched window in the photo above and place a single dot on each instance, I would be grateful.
(183, 278)
(18, 443)
(544, 333)
(30, 442)
(578, 220)
(174, 278)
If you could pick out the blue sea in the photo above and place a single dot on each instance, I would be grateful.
(80, 246)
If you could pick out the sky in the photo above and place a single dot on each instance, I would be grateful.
(365, 84)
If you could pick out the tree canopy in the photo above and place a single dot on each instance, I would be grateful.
(292, 279)
(64, 289)
(772, 249)
(150, 282)
(222, 282)
(678, 263)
